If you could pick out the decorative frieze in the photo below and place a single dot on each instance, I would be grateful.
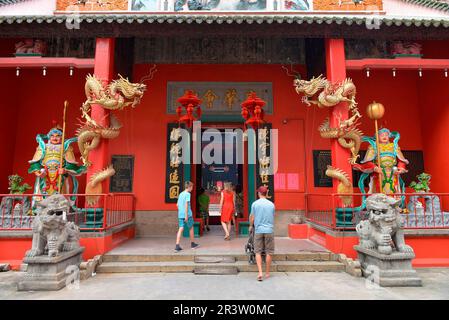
(235, 50)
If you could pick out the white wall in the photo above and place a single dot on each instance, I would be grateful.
(401, 8)
(29, 7)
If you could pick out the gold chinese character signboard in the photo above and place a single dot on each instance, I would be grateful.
(175, 168)
(220, 98)
(264, 176)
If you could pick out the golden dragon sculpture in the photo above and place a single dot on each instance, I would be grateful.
(90, 134)
(348, 136)
(117, 95)
(321, 92)
(329, 94)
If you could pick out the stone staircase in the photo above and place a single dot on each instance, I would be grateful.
(221, 264)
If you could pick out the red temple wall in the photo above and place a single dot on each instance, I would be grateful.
(415, 106)
(145, 127)
(8, 116)
(144, 131)
(38, 101)
(434, 100)
(399, 96)
(435, 49)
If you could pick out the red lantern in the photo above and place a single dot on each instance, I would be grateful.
(191, 104)
(252, 111)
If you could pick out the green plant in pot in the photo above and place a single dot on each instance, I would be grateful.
(16, 186)
(423, 184)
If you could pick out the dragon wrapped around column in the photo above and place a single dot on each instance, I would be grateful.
(116, 95)
(324, 94)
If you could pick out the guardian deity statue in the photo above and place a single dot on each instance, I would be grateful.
(46, 164)
(392, 163)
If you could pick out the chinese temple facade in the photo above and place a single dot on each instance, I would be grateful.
(395, 52)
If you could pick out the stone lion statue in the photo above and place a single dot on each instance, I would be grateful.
(52, 233)
(382, 231)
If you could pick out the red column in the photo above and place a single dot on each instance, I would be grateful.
(103, 70)
(336, 72)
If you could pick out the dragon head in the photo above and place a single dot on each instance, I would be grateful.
(310, 87)
(130, 91)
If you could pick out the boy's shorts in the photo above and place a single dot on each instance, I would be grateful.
(183, 224)
(264, 242)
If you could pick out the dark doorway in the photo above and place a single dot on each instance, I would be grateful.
(216, 169)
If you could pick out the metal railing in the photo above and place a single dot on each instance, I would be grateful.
(419, 210)
(17, 212)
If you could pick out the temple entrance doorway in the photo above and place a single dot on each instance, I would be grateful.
(222, 161)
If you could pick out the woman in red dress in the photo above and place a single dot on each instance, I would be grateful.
(227, 204)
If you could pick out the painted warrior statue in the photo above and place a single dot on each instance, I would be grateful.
(46, 164)
(392, 163)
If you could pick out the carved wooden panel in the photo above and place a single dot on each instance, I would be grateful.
(366, 48)
(321, 159)
(70, 47)
(235, 50)
(122, 181)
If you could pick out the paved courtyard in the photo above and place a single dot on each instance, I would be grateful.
(210, 243)
(284, 286)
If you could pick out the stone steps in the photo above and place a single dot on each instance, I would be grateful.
(216, 268)
(301, 256)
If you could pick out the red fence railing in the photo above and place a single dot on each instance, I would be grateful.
(17, 212)
(419, 210)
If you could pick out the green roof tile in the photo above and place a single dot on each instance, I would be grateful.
(433, 4)
(6, 2)
(231, 19)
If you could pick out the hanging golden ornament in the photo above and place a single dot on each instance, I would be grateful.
(375, 112)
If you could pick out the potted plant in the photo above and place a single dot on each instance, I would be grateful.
(423, 184)
(16, 186)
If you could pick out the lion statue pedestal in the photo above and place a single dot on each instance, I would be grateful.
(55, 253)
(384, 257)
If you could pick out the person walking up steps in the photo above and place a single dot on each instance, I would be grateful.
(203, 203)
(227, 204)
(262, 217)
(185, 217)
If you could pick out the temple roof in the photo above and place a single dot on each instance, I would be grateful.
(307, 19)
(6, 2)
(441, 5)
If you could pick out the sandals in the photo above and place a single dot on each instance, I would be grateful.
(259, 278)
(227, 238)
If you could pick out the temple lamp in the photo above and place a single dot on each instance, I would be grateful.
(375, 112)
(252, 111)
(191, 104)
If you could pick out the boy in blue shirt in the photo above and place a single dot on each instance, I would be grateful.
(185, 217)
